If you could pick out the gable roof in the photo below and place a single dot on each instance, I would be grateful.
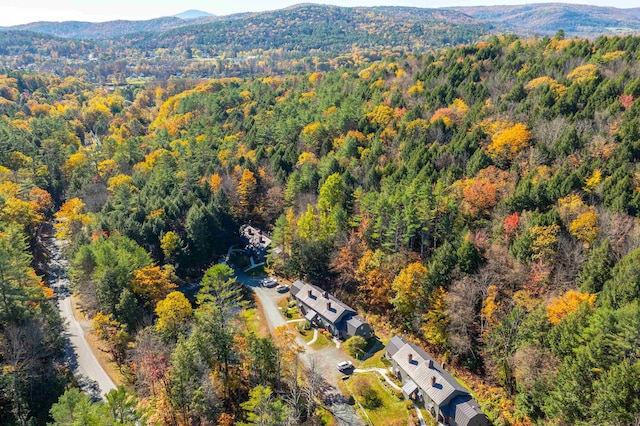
(420, 371)
(394, 345)
(354, 323)
(463, 409)
(318, 301)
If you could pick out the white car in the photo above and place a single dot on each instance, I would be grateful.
(344, 365)
(269, 282)
(282, 288)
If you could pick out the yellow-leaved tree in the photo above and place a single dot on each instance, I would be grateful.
(215, 183)
(436, 320)
(508, 143)
(489, 308)
(170, 243)
(71, 219)
(174, 313)
(584, 227)
(118, 181)
(247, 192)
(562, 306)
(408, 288)
(152, 283)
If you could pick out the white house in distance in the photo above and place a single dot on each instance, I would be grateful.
(424, 380)
(324, 310)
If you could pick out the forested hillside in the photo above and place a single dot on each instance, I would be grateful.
(482, 200)
(300, 38)
(547, 18)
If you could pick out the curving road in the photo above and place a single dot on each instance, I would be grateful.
(79, 357)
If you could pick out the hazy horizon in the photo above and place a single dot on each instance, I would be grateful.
(30, 11)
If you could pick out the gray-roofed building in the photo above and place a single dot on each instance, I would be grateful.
(427, 381)
(256, 242)
(324, 310)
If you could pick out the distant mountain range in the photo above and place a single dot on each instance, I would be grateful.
(548, 18)
(193, 14)
(113, 29)
(528, 19)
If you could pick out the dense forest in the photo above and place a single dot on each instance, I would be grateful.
(482, 200)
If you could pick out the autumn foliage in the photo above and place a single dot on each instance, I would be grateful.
(560, 307)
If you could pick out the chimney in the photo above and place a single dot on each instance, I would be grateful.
(310, 293)
(326, 294)
(328, 306)
(433, 380)
(430, 363)
(410, 357)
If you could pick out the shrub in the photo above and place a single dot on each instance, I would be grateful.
(355, 345)
(370, 398)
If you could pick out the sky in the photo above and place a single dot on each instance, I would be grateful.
(24, 11)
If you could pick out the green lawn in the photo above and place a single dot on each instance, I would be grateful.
(289, 312)
(254, 322)
(392, 410)
(325, 417)
(322, 341)
(376, 360)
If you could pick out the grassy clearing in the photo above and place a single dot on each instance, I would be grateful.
(325, 417)
(291, 314)
(254, 320)
(376, 360)
(289, 309)
(322, 341)
(391, 409)
(140, 81)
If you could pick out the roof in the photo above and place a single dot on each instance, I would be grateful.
(420, 371)
(354, 323)
(394, 345)
(319, 301)
(409, 387)
(466, 411)
(463, 408)
(311, 315)
(255, 237)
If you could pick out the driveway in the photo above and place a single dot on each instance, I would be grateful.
(92, 378)
(324, 361)
(268, 297)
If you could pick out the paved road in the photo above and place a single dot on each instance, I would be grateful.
(79, 357)
(325, 360)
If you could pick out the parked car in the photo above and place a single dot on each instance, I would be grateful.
(269, 282)
(344, 366)
(282, 288)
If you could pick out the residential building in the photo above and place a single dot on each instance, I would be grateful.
(256, 242)
(426, 381)
(325, 311)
